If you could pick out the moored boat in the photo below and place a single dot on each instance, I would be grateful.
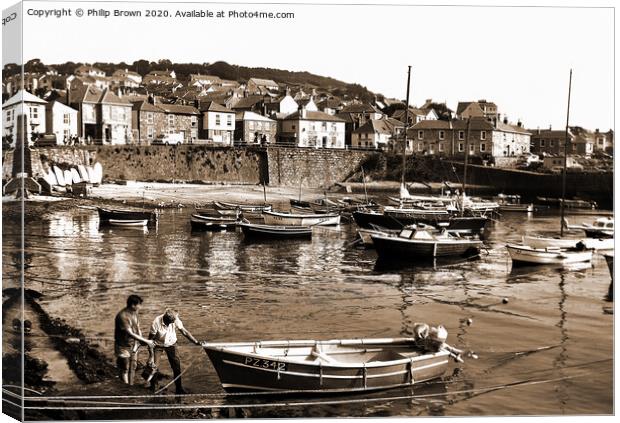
(542, 242)
(105, 215)
(459, 224)
(209, 223)
(512, 203)
(527, 255)
(602, 227)
(318, 367)
(133, 223)
(290, 219)
(421, 244)
(275, 231)
(246, 208)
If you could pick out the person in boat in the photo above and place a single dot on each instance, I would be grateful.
(126, 333)
(164, 334)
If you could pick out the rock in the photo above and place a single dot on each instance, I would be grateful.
(469, 322)
(504, 300)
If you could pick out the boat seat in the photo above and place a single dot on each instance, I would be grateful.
(387, 355)
(317, 353)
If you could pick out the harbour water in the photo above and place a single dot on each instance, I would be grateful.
(546, 350)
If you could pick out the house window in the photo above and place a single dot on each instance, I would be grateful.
(170, 120)
(461, 135)
(150, 132)
(193, 133)
(420, 135)
(293, 127)
(229, 120)
(194, 120)
(483, 147)
(472, 148)
(149, 117)
(217, 119)
(34, 113)
(442, 135)
(66, 118)
(483, 135)
(600, 141)
(551, 143)
(66, 134)
(440, 146)
(419, 146)
(542, 143)
(461, 147)
(324, 126)
(251, 125)
(8, 115)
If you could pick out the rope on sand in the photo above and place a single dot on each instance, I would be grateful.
(167, 406)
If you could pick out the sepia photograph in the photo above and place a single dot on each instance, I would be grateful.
(295, 210)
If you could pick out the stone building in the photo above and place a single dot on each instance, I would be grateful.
(252, 128)
(312, 129)
(147, 121)
(181, 119)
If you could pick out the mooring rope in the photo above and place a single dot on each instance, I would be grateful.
(167, 406)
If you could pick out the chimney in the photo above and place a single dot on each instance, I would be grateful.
(151, 99)
(303, 113)
(519, 124)
(288, 90)
(505, 120)
(596, 130)
(550, 127)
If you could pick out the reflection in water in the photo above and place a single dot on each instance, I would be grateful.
(227, 289)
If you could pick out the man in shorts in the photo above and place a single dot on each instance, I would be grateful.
(164, 333)
(126, 333)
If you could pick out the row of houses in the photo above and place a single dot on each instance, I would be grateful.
(127, 108)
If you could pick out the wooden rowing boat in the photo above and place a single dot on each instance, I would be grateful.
(557, 242)
(347, 365)
(128, 223)
(105, 215)
(209, 223)
(275, 231)
(526, 255)
(290, 219)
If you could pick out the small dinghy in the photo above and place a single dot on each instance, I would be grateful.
(133, 223)
(558, 242)
(290, 219)
(210, 223)
(334, 366)
(106, 215)
(275, 232)
(527, 255)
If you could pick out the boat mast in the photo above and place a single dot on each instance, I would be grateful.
(570, 78)
(465, 166)
(402, 179)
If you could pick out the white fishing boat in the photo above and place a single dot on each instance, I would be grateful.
(133, 223)
(512, 203)
(290, 219)
(602, 227)
(556, 242)
(525, 254)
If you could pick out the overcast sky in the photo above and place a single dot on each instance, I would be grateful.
(518, 57)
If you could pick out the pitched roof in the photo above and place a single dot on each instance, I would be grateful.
(110, 98)
(178, 109)
(432, 124)
(332, 103)
(212, 106)
(23, 96)
(313, 116)
(264, 82)
(372, 126)
(360, 108)
(145, 106)
(252, 116)
(245, 102)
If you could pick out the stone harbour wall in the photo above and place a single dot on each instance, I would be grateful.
(316, 168)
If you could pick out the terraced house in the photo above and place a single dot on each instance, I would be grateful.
(218, 123)
(487, 139)
(312, 129)
(181, 119)
(104, 118)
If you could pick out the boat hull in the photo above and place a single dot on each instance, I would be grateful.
(128, 223)
(525, 255)
(254, 372)
(516, 208)
(209, 223)
(464, 225)
(394, 247)
(276, 232)
(289, 219)
(105, 215)
(589, 243)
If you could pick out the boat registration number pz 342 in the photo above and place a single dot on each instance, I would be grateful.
(265, 364)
